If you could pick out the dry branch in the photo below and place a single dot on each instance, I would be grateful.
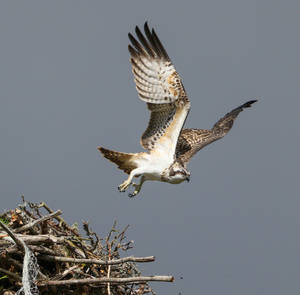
(32, 224)
(132, 280)
(35, 239)
(11, 274)
(97, 261)
(16, 239)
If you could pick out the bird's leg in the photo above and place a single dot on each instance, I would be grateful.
(124, 186)
(137, 187)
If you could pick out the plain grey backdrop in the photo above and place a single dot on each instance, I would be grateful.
(66, 87)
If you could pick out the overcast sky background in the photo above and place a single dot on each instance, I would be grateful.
(66, 87)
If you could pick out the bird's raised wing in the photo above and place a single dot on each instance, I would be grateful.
(192, 140)
(159, 85)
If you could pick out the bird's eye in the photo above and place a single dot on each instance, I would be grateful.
(172, 172)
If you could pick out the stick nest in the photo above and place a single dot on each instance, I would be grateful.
(68, 262)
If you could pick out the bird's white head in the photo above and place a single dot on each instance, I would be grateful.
(176, 173)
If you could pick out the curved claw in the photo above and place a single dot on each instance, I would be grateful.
(137, 188)
(123, 187)
(120, 190)
(131, 195)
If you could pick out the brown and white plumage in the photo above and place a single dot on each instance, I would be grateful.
(193, 140)
(159, 85)
(169, 148)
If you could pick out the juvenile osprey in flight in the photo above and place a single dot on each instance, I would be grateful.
(169, 148)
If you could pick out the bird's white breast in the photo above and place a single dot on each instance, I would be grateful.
(154, 163)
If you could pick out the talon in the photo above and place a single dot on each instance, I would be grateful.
(122, 187)
(120, 190)
(131, 195)
(137, 189)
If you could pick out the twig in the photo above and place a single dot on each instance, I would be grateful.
(110, 280)
(35, 239)
(42, 250)
(108, 268)
(35, 222)
(11, 274)
(97, 261)
(113, 229)
(18, 242)
(66, 272)
(90, 233)
(34, 248)
(58, 218)
(122, 233)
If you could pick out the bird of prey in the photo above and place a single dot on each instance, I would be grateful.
(169, 147)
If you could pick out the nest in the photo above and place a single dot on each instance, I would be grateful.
(41, 254)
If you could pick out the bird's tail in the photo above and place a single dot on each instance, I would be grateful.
(225, 123)
(124, 161)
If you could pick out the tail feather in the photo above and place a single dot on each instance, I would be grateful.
(123, 160)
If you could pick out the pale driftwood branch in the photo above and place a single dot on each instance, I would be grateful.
(42, 250)
(11, 274)
(18, 242)
(34, 248)
(35, 222)
(97, 261)
(32, 239)
(105, 280)
(108, 268)
(36, 239)
(66, 272)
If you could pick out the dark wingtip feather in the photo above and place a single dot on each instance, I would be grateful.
(147, 31)
(146, 27)
(132, 50)
(248, 103)
(242, 107)
(160, 46)
(144, 42)
(147, 43)
(136, 44)
(131, 38)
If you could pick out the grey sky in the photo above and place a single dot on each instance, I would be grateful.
(66, 87)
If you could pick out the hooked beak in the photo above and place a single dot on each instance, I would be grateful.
(188, 179)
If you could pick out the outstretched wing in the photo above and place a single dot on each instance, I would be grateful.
(159, 85)
(192, 140)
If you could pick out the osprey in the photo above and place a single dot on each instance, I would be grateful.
(169, 148)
